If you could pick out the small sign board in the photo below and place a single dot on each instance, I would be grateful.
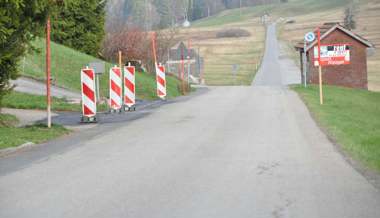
(99, 67)
(309, 37)
(333, 54)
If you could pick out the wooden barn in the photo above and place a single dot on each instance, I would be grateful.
(180, 54)
(346, 64)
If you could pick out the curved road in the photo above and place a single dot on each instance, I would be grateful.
(232, 152)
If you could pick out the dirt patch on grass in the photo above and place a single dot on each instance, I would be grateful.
(232, 33)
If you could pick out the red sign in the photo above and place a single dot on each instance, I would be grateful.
(333, 54)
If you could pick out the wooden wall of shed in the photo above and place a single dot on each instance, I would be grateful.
(353, 75)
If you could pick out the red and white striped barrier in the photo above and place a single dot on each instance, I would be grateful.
(88, 93)
(161, 81)
(115, 88)
(129, 86)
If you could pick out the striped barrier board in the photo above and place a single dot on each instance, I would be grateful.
(129, 86)
(115, 88)
(161, 81)
(88, 94)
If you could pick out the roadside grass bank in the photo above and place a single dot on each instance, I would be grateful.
(351, 117)
(20, 100)
(11, 136)
(291, 8)
(66, 64)
(8, 120)
(146, 86)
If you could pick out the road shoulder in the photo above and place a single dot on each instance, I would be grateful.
(30, 153)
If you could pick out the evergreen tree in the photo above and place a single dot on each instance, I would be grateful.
(79, 24)
(20, 22)
(199, 7)
(164, 10)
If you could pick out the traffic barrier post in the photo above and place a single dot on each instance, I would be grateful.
(161, 81)
(88, 95)
(115, 81)
(129, 88)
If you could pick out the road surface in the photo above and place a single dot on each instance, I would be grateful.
(231, 152)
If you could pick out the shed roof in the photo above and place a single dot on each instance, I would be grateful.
(328, 28)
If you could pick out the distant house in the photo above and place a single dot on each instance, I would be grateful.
(350, 72)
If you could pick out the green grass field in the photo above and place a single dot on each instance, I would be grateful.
(27, 101)
(7, 120)
(350, 116)
(11, 136)
(15, 136)
(292, 8)
(233, 16)
(67, 64)
(222, 54)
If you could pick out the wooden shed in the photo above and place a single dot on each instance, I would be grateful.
(189, 55)
(351, 72)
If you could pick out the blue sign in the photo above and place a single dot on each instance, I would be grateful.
(309, 37)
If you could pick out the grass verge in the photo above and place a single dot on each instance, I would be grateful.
(27, 101)
(20, 100)
(8, 120)
(351, 117)
(15, 136)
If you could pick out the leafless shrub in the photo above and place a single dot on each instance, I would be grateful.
(136, 45)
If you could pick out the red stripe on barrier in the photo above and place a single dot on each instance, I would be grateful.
(129, 85)
(117, 71)
(131, 70)
(113, 103)
(162, 68)
(115, 88)
(161, 81)
(87, 111)
(128, 100)
(88, 92)
(89, 73)
(159, 93)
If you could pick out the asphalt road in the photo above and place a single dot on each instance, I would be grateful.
(231, 152)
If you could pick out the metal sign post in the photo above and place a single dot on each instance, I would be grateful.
(48, 73)
(99, 68)
(188, 62)
(320, 68)
(309, 37)
(304, 65)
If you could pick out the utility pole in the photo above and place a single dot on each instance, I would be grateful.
(199, 66)
(304, 58)
(48, 73)
(320, 67)
(188, 61)
(182, 70)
